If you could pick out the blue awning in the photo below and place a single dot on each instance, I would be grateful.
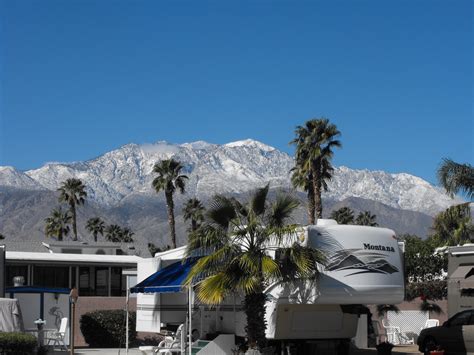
(167, 280)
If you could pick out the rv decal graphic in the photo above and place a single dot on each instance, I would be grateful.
(361, 261)
(370, 258)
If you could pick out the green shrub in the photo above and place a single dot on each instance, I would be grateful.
(433, 290)
(106, 329)
(17, 343)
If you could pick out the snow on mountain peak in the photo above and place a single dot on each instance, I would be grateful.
(233, 167)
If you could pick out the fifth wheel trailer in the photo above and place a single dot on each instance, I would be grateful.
(364, 266)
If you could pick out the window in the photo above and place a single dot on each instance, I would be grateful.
(101, 281)
(116, 282)
(51, 276)
(460, 319)
(15, 270)
(84, 282)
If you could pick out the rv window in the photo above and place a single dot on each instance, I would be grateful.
(467, 292)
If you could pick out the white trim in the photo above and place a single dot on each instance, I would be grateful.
(72, 258)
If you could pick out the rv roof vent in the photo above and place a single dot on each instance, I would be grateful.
(326, 222)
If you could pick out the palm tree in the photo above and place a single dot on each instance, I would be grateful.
(453, 226)
(366, 219)
(57, 224)
(193, 210)
(113, 233)
(304, 180)
(169, 179)
(127, 235)
(95, 226)
(72, 191)
(315, 142)
(455, 177)
(2, 236)
(343, 215)
(235, 239)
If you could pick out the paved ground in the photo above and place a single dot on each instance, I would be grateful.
(398, 350)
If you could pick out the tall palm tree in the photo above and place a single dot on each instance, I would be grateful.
(234, 242)
(455, 177)
(194, 210)
(315, 142)
(57, 224)
(366, 219)
(95, 226)
(169, 180)
(343, 215)
(113, 233)
(453, 226)
(300, 178)
(73, 192)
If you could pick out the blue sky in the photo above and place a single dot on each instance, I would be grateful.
(79, 78)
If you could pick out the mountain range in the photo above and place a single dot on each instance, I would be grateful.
(119, 188)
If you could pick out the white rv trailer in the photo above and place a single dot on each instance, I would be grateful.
(364, 266)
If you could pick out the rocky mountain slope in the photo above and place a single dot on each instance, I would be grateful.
(119, 187)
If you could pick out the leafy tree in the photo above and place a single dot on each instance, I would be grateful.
(235, 239)
(169, 180)
(315, 142)
(421, 262)
(366, 219)
(453, 226)
(72, 191)
(95, 226)
(57, 224)
(455, 177)
(343, 215)
(193, 210)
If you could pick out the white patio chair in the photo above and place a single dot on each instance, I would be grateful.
(56, 337)
(430, 323)
(393, 333)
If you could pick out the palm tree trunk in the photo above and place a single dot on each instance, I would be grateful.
(60, 236)
(74, 226)
(193, 225)
(170, 204)
(254, 307)
(311, 206)
(317, 192)
(95, 237)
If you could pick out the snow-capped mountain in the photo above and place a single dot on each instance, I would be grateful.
(234, 167)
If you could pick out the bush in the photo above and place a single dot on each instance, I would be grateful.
(106, 329)
(17, 343)
(433, 290)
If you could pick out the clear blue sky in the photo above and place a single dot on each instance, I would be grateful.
(79, 78)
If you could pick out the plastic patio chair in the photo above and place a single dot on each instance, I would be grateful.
(56, 337)
(430, 323)
(393, 333)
